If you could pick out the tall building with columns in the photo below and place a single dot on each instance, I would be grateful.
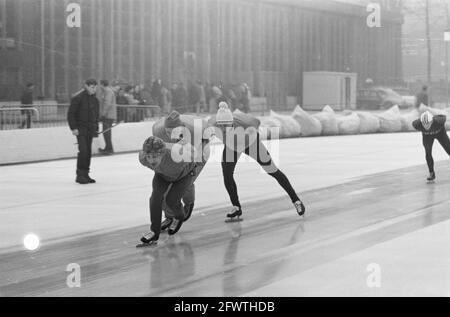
(266, 43)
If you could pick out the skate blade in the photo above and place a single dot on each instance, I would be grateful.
(232, 220)
(146, 245)
(430, 182)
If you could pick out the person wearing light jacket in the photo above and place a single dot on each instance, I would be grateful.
(108, 114)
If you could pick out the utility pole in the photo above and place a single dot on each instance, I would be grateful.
(447, 40)
(42, 25)
(427, 22)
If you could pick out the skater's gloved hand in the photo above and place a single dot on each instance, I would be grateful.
(75, 132)
(183, 151)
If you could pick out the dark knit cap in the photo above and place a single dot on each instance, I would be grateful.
(153, 145)
(173, 120)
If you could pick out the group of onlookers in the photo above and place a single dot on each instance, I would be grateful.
(237, 96)
(193, 97)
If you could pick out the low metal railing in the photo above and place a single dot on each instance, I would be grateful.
(55, 115)
(137, 113)
(17, 117)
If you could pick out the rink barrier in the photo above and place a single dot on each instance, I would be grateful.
(32, 145)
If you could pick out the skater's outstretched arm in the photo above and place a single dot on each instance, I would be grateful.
(437, 125)
(440, 120)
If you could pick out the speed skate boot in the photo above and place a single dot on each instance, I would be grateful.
(235, 215)
(300, 208)
(148, 239)
(166, 224)
(175, 226)
(431, 178)
(188, 211)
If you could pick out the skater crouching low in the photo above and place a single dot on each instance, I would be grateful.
(179, 176)
(172, 129)
(432, 128)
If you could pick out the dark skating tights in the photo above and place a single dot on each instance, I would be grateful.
(428, 141)
(262, 156)
(172, 197)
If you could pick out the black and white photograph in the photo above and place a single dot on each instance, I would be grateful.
(224, 155)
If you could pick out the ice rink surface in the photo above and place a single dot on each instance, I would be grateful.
(369, 211)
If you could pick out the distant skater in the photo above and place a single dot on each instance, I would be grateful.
(432, 128)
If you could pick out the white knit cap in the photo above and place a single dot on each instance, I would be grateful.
(427, 119)
(224, 115)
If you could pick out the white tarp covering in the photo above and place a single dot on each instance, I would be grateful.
(327, 118)
(390, 120)
(408, 118)
(265, 128)
(309, 126)
(369, 122)
(349, 123)
(290, 128)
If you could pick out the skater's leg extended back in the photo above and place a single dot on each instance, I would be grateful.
(260, 153)
(428, 145)
(228, 167)
(444, 140)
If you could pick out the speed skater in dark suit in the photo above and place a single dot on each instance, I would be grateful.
(432, 128)
(172, 129)
(239, 134)
(175, 167)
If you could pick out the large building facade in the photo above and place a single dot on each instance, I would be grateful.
(266, 43)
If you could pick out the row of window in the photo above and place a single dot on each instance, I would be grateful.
(8, 23)
(10, 76)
